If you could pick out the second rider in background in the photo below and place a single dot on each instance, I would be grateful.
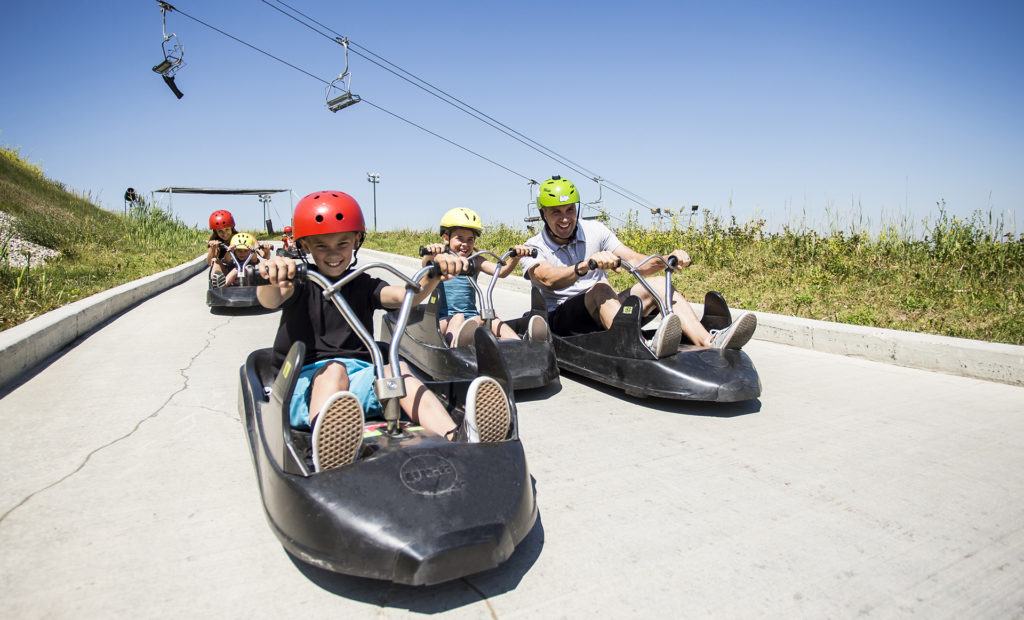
(580, 299)
(459, 316)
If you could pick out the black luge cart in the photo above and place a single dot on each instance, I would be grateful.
(414, 508)
(620, 356)
(531, 364)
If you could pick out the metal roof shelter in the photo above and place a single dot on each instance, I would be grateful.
(264, 196)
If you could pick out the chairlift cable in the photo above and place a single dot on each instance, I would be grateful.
(382, 109)
(495, 125)
(462, 105)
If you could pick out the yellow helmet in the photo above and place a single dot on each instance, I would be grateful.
(461, 217)
(243, 240)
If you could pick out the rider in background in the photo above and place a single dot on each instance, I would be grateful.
(580, 300)
(222, 227)
(459, 316)
(243, 245)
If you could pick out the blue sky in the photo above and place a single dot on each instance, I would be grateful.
(778, 109)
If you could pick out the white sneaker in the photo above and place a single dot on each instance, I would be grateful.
(338, 432)
(735, 335)
(537, 329)
(667, 337)
(488, 415)
(463, 336)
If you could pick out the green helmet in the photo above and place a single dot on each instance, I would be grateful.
(556, 192)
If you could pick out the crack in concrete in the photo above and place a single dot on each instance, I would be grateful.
(209, 341)
(226, 414)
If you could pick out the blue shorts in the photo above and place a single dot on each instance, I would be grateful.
(360, 383)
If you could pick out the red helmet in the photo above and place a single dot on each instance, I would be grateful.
(221, 219)
(287, 230)
(325, 212)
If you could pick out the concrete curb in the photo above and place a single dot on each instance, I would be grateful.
(26, 345)
(1003, 363)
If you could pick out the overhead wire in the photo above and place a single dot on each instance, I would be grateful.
(364, 100)
(459, 104)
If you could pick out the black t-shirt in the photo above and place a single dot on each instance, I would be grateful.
(312, 318)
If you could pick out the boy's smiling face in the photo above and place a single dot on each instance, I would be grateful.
(461, 240)
(332, 252)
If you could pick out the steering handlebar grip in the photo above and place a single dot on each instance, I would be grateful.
(593, 264)
(672, 262)
(259, 280)
(424, 251)
(435, 270)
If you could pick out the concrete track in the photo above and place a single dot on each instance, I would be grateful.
(850, 488)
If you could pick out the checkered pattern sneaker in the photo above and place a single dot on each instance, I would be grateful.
(338, 432)
(488, 415)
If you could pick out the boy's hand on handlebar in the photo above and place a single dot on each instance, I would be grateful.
(605, 260)
(450, 265)
(279, 270)
(683, 258)
(431, 251)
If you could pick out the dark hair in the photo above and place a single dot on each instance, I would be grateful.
(214, 237)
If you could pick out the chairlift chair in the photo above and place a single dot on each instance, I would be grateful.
(174, 53)
(347, 98)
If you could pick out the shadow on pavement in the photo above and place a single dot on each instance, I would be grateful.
(685, 407)
(549, 390)
(438, 598)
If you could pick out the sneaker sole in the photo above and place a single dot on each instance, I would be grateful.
(743, 331)
(338, 434)
(491, 409)
(538, 330)
(666, 341)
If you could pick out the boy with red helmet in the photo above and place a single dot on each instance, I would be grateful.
(335, 387)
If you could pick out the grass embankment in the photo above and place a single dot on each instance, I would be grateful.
(99, 249)
(965, 278)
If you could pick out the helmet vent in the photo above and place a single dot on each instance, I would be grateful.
(339, 216)
(319, 218)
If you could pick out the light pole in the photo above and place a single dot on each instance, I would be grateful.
(374, 177)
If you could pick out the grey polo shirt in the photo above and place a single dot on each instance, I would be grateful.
(591, 237)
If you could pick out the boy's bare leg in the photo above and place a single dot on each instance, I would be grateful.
(452, 327)
(331, 379)
(501, 330)
(602, 303)
(422, 405)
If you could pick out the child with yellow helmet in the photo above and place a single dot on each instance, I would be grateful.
(459, 316)
(246, 250)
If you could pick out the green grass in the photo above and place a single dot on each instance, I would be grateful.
(99, 249)
(964, 278)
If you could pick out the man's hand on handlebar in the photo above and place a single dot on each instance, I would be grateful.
(604, 260)
(683, 258)
(521, 250)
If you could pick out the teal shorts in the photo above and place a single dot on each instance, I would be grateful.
(360, 383)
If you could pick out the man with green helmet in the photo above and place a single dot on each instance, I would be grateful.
(580, 299)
